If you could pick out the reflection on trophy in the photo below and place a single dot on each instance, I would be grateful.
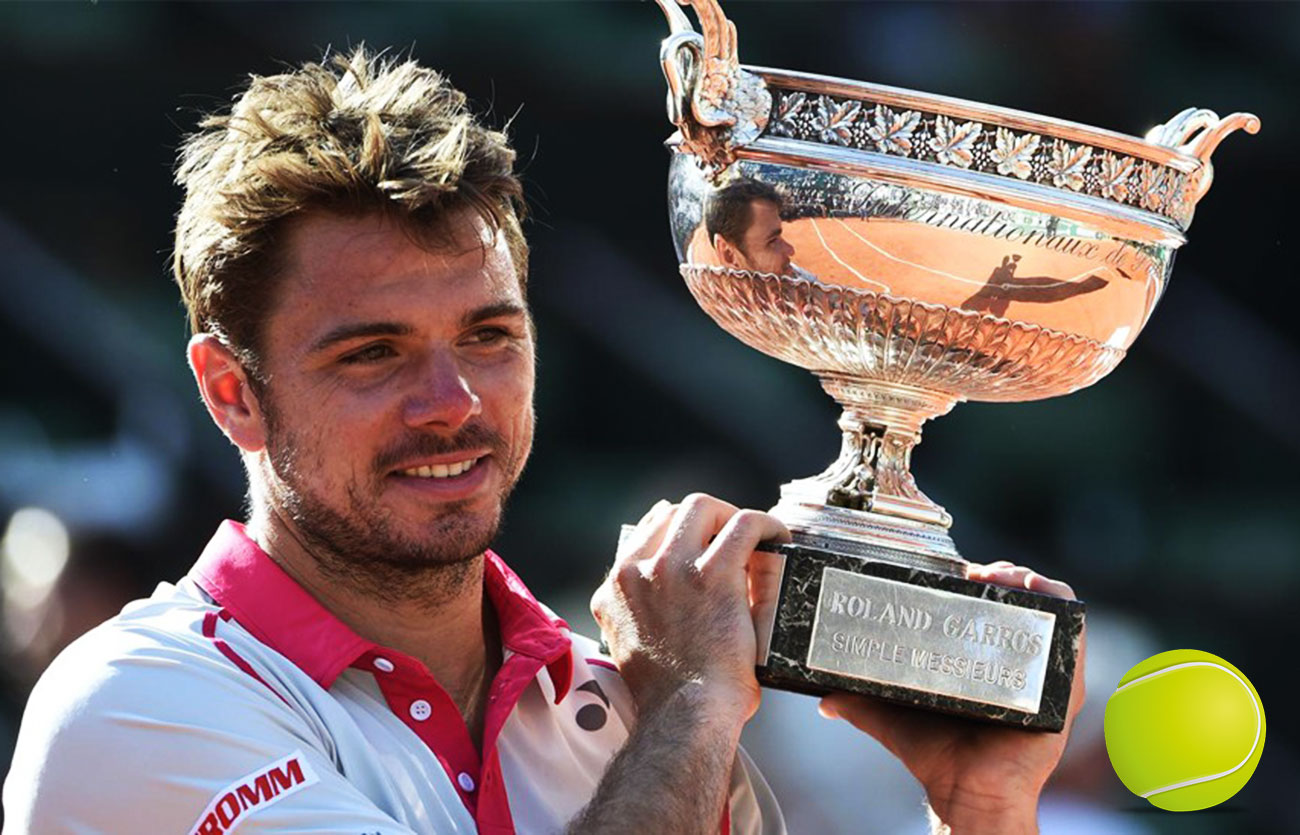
(914, 251)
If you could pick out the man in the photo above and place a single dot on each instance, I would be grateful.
(743, 222)
(354, 659)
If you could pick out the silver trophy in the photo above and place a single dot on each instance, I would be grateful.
(913, 251)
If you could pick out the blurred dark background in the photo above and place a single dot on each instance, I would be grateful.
(1166, 494)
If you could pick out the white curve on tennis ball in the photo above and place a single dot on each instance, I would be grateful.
(1253, 704)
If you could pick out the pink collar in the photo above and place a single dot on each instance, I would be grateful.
(267, 602)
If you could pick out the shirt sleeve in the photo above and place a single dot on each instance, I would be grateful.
(752, 805)
(130, 731)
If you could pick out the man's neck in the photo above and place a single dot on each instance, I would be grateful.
(442, 619)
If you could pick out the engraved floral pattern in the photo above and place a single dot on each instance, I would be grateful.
(892, 132)
(835, 121)
(1115, 173)
(787, 109)
(1014, 154)
(1152, 186)
(1188, 191)
(876, 336)
(1068, 164)
(947, 141)
(954, 144)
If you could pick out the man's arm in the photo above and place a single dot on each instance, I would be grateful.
(976, 815)
(675, 770)
(675, 611)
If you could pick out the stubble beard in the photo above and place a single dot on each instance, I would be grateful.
(359, 546)
(754, 265)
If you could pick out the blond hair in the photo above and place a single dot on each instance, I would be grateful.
(355, 134)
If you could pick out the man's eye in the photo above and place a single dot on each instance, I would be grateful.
(489, 336)
(370, 353)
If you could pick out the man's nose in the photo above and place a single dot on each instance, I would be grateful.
(444, 396)
(786, 247)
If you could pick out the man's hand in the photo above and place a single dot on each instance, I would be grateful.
(978, 778)
(676, 614)
(676, 609)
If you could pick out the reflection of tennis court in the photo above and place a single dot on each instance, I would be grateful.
(1057, 290)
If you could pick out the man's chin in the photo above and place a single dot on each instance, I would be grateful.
(453, 537)
(420, 563)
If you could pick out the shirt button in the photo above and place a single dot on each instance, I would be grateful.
(384, 665)
(420, 710)
(466, 781)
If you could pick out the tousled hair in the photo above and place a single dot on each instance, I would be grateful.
(356, 134)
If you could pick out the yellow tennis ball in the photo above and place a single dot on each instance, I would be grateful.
(1184, 729)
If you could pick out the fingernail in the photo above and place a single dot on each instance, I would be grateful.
(827, 711)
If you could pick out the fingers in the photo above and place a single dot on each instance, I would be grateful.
(668, 535)
(701, 534)
(648, 534)
(674, 608)
(1045, 585)
(695, 522)
(764, 570)
(634, 547)
(1004, 573)
(740, 537)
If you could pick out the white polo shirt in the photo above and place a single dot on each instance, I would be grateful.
(234, 701)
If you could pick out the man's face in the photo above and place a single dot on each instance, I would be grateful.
(763, 247)
(399, 391)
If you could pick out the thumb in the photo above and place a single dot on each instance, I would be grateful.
(865, 714)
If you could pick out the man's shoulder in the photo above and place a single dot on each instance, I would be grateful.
(157, 659)
(165, 627)
(135, 704)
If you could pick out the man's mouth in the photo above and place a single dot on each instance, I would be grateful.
(450, 469)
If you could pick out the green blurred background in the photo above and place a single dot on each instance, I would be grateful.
(1166, 494)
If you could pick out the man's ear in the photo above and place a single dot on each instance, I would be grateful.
(223, 384)
(727, 253)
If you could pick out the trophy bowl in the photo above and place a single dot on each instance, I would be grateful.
(914, 251)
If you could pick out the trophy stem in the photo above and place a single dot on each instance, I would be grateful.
(867, 500)
(881, 424)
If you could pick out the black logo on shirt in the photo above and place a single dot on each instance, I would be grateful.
(592, 717)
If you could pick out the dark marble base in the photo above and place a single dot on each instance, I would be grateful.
(786, 667)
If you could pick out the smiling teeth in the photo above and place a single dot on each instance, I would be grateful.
(441, 470)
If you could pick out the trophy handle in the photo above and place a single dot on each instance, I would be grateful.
(1197, 133)
(715, 104)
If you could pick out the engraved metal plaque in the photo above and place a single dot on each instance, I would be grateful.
(930, 640)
